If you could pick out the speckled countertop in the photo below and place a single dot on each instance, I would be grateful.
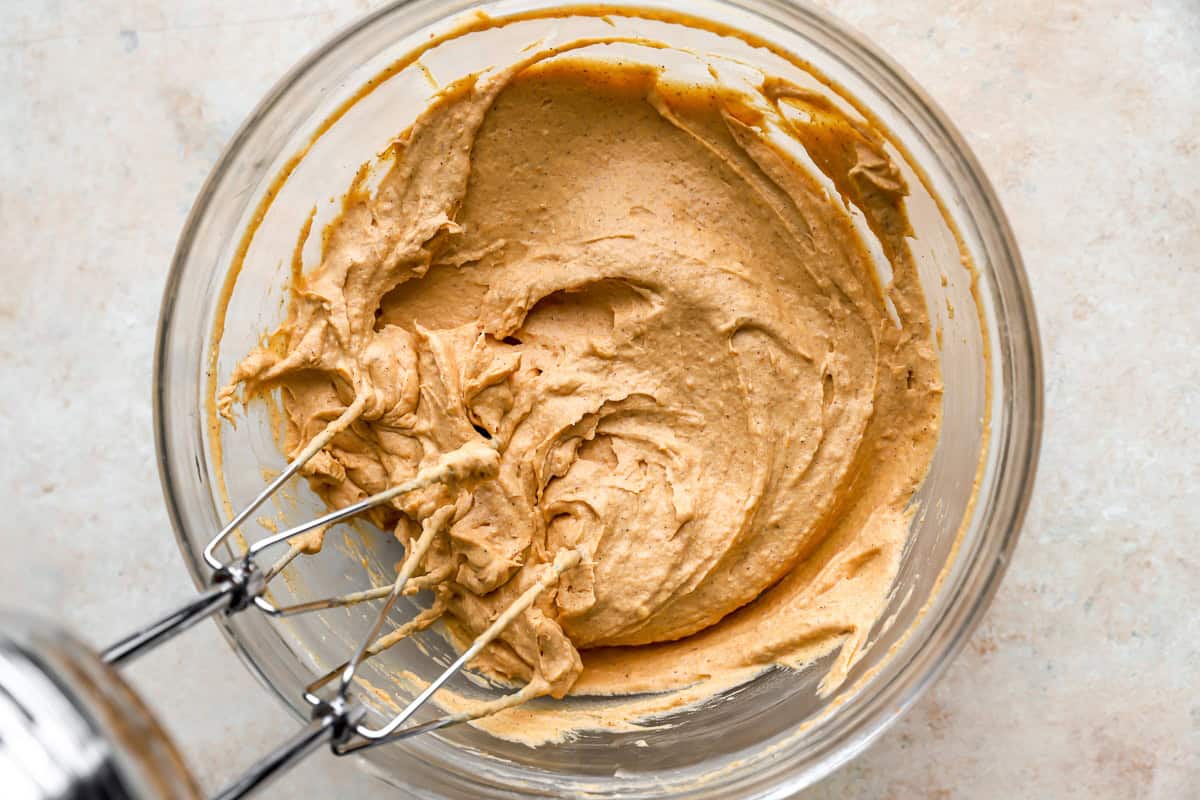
(1082, 680)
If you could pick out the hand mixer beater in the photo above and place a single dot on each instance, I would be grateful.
(71, 728)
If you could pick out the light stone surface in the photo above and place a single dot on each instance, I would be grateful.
(1082, 680)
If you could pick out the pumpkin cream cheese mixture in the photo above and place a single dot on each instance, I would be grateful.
(657, 302)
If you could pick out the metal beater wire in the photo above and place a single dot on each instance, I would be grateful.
(565, 560)
(319, 441)
(359, 736)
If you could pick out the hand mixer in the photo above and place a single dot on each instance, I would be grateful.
(71, 729)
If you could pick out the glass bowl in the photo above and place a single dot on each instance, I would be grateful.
(768, 738)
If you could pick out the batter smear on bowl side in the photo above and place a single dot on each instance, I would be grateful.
(658, 302)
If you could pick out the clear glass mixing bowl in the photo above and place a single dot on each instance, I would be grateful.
(773, 736)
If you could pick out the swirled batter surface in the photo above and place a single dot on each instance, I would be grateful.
(658, 301)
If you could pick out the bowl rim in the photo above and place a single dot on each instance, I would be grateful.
(1018, 355)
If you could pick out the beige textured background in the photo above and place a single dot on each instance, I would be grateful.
(1082, 681)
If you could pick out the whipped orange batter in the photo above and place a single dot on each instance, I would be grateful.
(652, 298)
